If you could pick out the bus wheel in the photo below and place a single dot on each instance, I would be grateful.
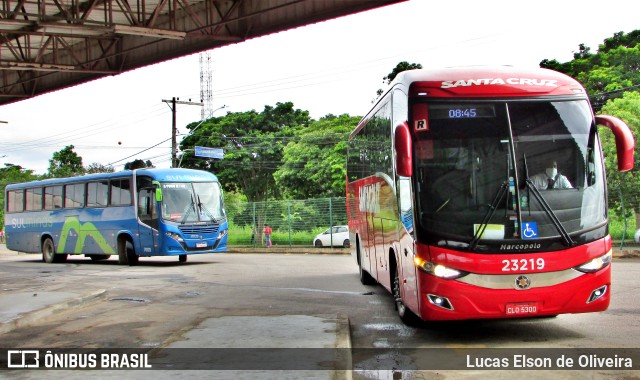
(406, 315)
(182, 258)
(127, 254)
(48, 251)
(132, 258)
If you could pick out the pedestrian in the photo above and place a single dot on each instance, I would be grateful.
(267, 234)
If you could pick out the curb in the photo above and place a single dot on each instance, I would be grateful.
(626, 253)
(343, 347)
(32, 317)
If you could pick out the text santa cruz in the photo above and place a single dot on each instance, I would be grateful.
(499, 81)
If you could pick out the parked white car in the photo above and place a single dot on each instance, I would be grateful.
(337, 236)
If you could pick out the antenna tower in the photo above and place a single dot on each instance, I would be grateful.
(206, 92)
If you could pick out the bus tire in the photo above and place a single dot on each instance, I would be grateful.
(132, 258)
(49, 252)
(406, 316)
(126, 253)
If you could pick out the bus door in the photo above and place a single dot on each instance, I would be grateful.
(148, 226)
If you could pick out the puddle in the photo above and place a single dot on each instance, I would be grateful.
(130, 299)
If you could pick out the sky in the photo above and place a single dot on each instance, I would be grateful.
(332, 67)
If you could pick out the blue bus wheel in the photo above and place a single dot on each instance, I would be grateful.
(132, 258)
(49, 252)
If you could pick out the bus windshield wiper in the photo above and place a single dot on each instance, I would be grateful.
(545, 206)
(487, 217)
(205, 210)
(191, 207)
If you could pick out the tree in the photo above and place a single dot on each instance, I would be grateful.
(614, 69)
(138, 164)
(98, 168)
(400, 67)
(253, 146)
(314, 163)
(65, 163)
(626, 108)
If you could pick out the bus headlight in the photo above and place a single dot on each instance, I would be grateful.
(595, 264)
(438, 270)
(175, 237)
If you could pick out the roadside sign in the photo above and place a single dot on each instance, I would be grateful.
(201, 151)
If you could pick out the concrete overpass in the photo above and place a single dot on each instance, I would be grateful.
(47, 45)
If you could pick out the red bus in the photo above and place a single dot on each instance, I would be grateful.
(481, 193)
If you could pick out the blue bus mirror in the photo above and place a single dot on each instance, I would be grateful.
(158, 190)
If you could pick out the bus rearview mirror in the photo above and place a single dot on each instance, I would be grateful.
(403, 156)
(625, 143)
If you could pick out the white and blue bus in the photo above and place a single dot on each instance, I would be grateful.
(144, 212)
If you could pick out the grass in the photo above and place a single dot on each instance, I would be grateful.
(242, 236)
(617, 228)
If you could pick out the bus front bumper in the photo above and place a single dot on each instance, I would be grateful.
(441, 299)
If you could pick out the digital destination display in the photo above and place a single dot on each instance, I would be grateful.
(461, 111)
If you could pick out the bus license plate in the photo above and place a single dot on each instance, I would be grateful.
(522, 308)
(201, 245)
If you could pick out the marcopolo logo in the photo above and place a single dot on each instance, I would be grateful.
(520, 247)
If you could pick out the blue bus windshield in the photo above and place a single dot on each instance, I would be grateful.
(192, 202)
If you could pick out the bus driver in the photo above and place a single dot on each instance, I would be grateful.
(551, 179)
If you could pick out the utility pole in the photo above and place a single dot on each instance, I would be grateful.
(174, 129)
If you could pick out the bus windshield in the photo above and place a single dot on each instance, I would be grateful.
(192, 202)
(521, 170)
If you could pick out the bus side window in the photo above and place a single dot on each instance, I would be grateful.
(53, 197)
(120, 192)
(74, 195)
(15, 201)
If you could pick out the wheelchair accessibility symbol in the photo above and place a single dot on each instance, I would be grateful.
(529, 230)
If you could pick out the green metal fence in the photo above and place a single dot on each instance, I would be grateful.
(294, 222)
(623, 218)
(297, 222)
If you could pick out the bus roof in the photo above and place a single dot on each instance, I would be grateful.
(487, 81)
(169, 175)
(478, 82)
